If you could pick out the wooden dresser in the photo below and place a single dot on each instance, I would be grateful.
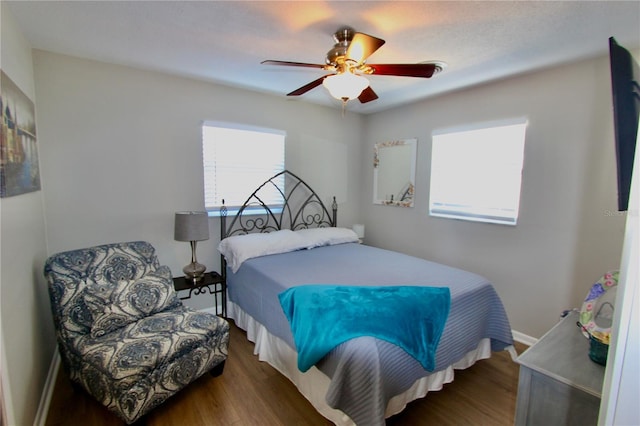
(559, 384)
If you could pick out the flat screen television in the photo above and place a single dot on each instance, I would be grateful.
(626, 107)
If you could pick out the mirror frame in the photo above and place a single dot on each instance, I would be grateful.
(410, 188)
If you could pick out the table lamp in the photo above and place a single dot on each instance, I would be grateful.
(192, 227)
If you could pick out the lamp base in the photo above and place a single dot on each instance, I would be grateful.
(194, 271)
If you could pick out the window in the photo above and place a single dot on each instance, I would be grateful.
(476, 173)
(236, 159)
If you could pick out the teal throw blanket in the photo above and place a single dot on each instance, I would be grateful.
(324, 316)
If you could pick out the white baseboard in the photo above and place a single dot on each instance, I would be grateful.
(47, 392)
(523, 338)
(211, 310)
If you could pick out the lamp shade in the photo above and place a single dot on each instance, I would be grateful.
(191, 226)
(345, 86)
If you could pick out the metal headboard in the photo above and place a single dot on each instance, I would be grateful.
(301, 208)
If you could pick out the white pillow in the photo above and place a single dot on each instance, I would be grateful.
(238, 248)
(316, 237)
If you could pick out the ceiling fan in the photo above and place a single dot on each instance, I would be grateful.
(346, 62)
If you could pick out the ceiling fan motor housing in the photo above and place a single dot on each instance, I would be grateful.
(343, 38)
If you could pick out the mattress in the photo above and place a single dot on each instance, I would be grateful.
(365, 374)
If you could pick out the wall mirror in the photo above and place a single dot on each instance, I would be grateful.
(394, 172)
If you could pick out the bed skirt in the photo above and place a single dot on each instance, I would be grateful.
(313, 384)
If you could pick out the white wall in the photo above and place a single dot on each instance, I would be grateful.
(27, 332)
(569, 232)
(122, 151)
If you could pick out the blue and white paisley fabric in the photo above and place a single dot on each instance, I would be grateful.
(122, 332)
(114, 306)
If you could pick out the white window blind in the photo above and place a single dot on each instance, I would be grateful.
(476, 173)
(236, 159)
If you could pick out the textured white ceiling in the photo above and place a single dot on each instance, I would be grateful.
(225, 41)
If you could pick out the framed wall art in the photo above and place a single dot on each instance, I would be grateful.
(19, 171)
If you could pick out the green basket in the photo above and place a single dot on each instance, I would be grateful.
(598, 351)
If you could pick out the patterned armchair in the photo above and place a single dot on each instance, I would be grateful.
(123, 334)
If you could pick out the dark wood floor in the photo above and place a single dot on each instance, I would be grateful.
(250, 392)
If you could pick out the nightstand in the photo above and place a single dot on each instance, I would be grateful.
(213, 283)
(559, 384)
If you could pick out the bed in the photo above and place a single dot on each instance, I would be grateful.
(272, 253)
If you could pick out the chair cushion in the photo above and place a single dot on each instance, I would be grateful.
(114, 306)
(143, 346)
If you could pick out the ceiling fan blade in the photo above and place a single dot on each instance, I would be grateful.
(407, 70)
(362, 46)
(304, 89)
(292, 64)
(367, 95)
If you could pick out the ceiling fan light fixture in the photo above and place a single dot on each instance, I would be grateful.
(345, 86)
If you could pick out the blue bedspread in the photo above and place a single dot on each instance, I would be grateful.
(324, 316)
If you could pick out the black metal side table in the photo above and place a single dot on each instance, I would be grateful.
(213, 283)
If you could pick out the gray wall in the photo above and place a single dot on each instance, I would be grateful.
(569, 231)
(121, 152)
(27, 343)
